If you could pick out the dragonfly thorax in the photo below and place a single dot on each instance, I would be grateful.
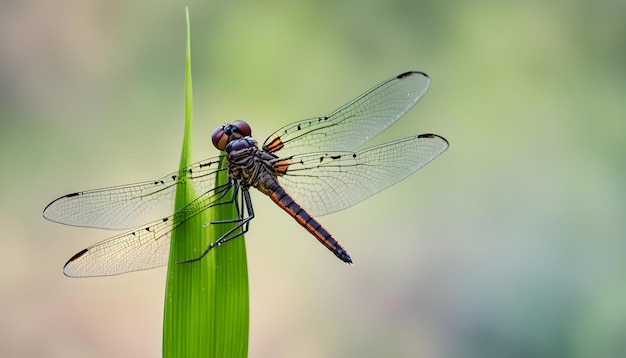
(241, 144)
(250, 165)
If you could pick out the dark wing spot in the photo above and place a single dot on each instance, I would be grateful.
(411, 73)
(77, 256)
(430, 135)
(427, 135)
(335, 156)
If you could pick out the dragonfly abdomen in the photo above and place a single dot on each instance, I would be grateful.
(284, 200)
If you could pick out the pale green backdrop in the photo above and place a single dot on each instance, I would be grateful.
(512, 244)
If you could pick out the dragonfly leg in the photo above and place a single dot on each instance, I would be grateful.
(224, 189)
(232, 200)
(243, 222)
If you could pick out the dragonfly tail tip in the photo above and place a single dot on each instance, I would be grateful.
(346, 258)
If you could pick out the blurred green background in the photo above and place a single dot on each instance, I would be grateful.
(511, 244)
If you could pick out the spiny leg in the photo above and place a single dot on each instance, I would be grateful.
(232, 200)
(236, 231)
(223, 190)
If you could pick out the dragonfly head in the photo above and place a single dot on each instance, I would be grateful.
(225, 134)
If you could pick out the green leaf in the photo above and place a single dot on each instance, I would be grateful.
(206, 302)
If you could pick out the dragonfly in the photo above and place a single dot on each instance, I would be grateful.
(309, 168)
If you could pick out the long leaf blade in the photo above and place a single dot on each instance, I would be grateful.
(206, 310)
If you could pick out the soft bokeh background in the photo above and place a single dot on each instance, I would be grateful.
(511, 244)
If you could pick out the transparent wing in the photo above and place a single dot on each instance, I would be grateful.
(127, 206)
(140, 249)
(356, 122)
(331, 181)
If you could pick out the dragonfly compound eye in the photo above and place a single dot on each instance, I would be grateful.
(243, 128)
(225, 134)
(220, 138)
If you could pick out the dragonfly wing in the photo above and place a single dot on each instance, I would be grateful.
(127, 206)
(140, 249)
(331, 181)
(356, 122)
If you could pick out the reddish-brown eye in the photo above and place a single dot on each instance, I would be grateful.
(243, 127)
(225, 134)
(219, 138)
